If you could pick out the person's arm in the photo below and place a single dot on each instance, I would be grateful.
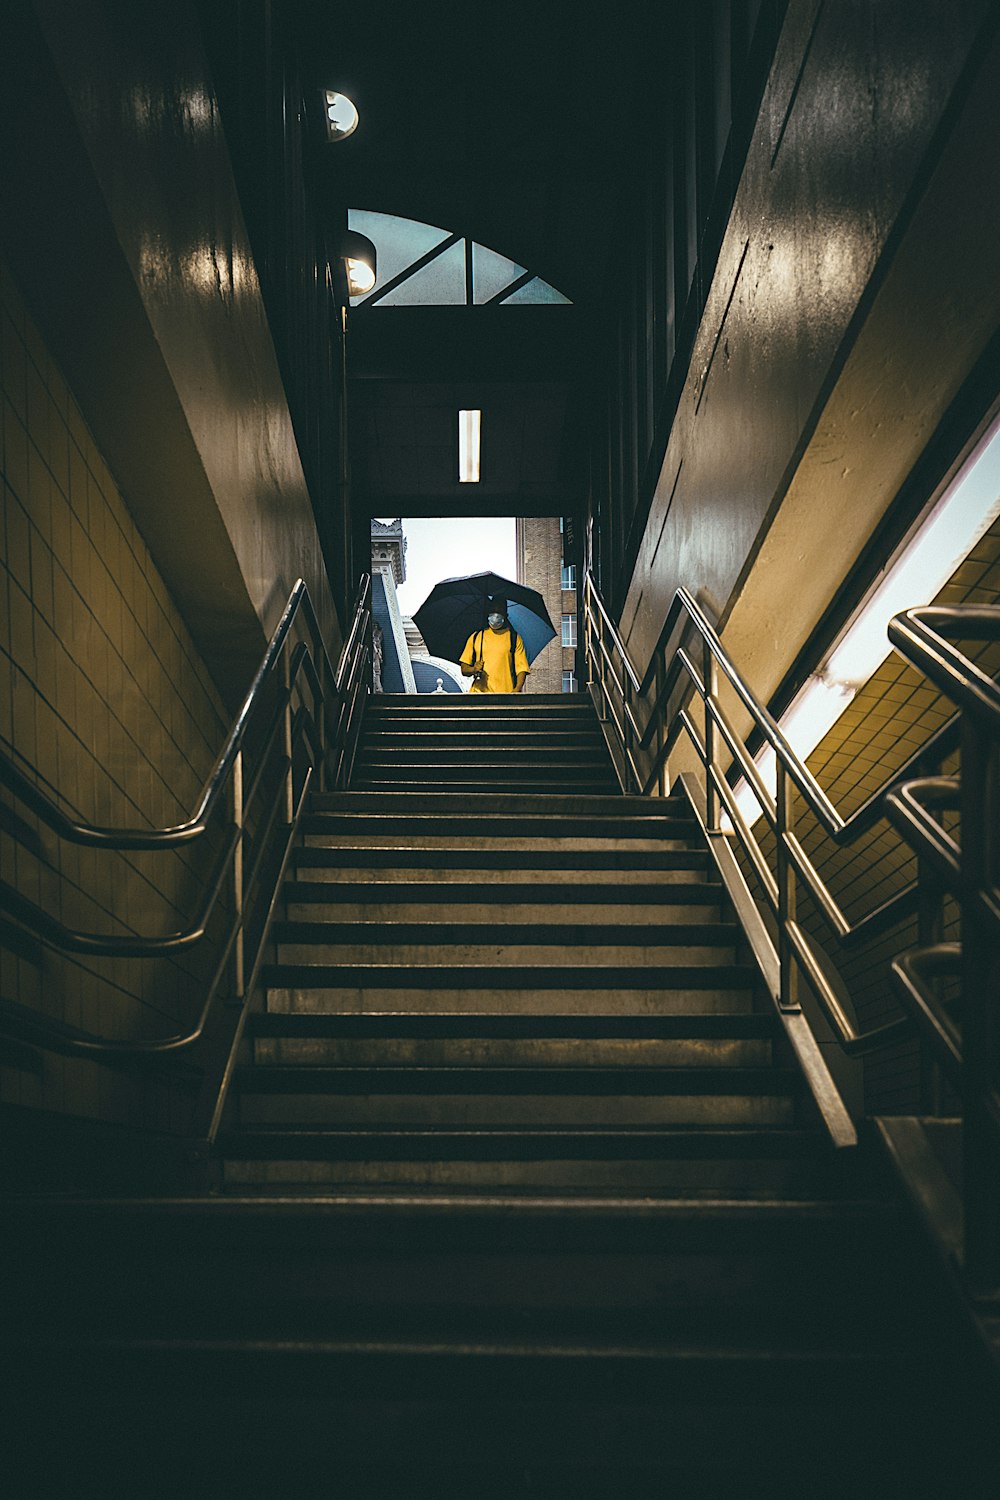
(472, 665)
(520, 665)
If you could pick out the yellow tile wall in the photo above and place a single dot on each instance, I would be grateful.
(891, 717)
(105, 703)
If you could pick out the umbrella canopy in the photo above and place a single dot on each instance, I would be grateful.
(457, 607)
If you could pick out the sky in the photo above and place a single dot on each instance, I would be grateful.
(439, 547)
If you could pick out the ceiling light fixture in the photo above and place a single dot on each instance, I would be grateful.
(361, 262)
(915, 576)
(341, 115)
(469, 429)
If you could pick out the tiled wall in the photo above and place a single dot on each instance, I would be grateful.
(892, 716)
(105, 703)
(888, 721)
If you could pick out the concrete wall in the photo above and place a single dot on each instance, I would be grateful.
(846, 340)
(857, 285)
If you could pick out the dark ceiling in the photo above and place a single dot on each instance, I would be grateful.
(516, 125)
(510, 122)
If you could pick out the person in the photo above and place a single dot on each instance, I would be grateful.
(494, 657)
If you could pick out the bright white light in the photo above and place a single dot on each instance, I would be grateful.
(341, 116)
(469, 424)
(918, 573)
(360, 277)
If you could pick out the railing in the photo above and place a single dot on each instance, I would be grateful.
(645, 716)
(721, 748)
(963, 1034)
(299, 722)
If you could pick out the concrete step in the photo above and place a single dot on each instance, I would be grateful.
(635, 944)
(430, 741)
(761, 1162)
(372, 991)
(733, 1039)
(491, 757)
(463, 1096)
(652, 811)
(502, 835)
(537, 896)
(528, 989)
(304, 1050)
(462, 1111)
(486, 705)
(485, 901)
(511, 786)
(499, 951)
(407, 861)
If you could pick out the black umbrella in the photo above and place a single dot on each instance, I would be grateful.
(457, 607)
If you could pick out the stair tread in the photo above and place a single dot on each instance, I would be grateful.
(530, 1143)
(549, 893)
(431, 1202)
(526, 1078)
(406, 1023)
(509, 977)
(575, 934)
(315, 856)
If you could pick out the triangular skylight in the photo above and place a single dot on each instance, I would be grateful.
(491, 273)
(442, 282)
(398, 242)
(535, 290)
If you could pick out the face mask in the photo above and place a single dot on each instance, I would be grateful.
(495, 620)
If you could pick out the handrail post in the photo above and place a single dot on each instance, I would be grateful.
(627, 726)
(980, 1005)
(321, 716)
(286, 683)
(661, 726)
(239, 980)
(930, 930)
(787, 892)
(710, 690)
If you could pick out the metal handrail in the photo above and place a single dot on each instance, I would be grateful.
(962, 1035)
(309, 662)
(967, 869)
(797, 953)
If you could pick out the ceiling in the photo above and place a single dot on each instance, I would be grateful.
(515, 125)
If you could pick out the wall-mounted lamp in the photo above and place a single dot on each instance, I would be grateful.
(361, 262)
(341, 115)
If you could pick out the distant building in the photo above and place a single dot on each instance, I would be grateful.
(404, 665)
(541, 565)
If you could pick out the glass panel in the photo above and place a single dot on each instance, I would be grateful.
(398, 242)
(569, 682)
(569, 575)
(535, 290)
(441, 283)
(491, 273)
(569, 630)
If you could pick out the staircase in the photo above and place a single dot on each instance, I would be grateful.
(520, 1193)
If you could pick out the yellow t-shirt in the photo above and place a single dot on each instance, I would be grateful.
(493, 647)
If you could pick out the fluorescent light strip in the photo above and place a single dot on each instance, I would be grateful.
(959, 519)
(469, 427)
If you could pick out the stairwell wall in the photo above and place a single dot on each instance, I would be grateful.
(843, 362)
(155, 511)
(107, 703)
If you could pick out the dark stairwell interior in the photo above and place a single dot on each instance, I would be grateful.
(391, 1102)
